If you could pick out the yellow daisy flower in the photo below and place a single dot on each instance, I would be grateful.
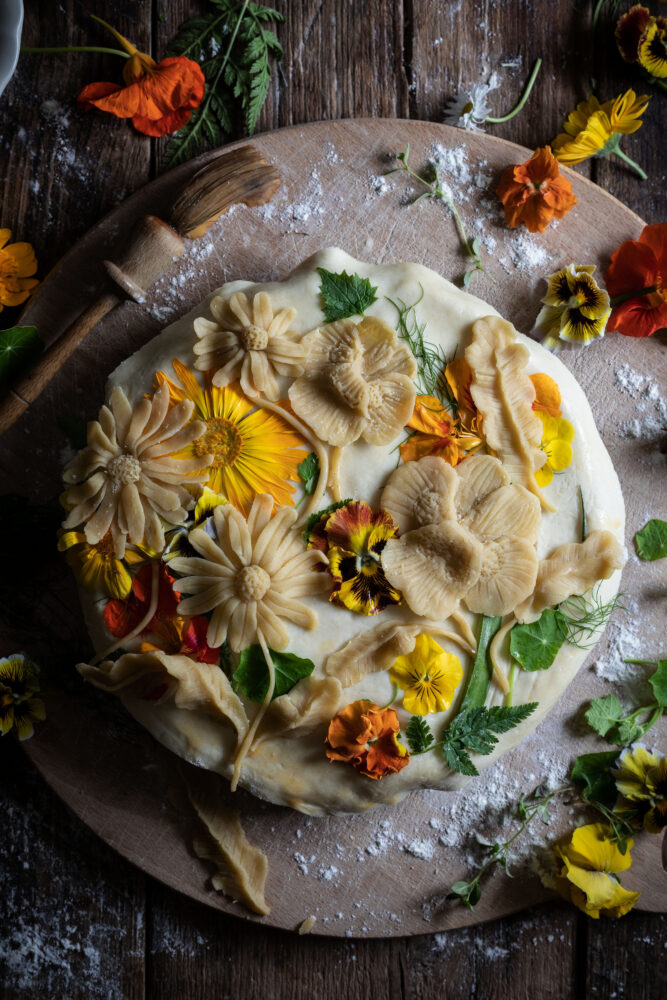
(595, 129)
(253, 451)
(575, 308)
(557, 434)
(17, 265)
(18, 706)
(428, 676)
(589, 860)
(96, 567)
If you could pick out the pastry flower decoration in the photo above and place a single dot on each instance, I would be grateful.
(465, 535)
(575, 308)
(366, 736)
(250, 575)
(428, 676)
(127, 478)
(248, 341)
(353, 538)
(358, 383)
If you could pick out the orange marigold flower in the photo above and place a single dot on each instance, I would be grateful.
(534, 193)
(637, 284)
(17, 265)
(365, 736)
(158, 97)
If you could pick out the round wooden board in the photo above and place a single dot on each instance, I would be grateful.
(383, 873)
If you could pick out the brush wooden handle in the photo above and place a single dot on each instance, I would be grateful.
(151, 249)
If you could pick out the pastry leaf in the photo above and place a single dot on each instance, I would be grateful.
(251, 677)
(344, 294)
(476, 730)
(534, 646)
(418, 734)
(309, 471)
(651, 541)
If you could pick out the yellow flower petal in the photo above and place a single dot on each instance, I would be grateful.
(544, 476)
(428, 675)
(601, 893)
(591, 847)
(559, 455)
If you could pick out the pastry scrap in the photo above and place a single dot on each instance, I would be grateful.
(289, 639)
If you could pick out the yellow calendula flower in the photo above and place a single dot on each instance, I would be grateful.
(587, 861)
(595, 129)
(575, 308)
(557, 435)
(17, 266)
(254, 451)
(96, 567)
(18, 706)
(641, 782)
(428, 676)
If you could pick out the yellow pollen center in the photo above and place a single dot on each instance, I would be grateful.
(222, 439)
(252, 583)
(467, 108)
(123, 470)
(254, 338)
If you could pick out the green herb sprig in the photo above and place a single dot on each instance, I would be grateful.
(431, 359)
(434, 189)
(234, 46)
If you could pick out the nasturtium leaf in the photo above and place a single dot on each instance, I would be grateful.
(658, 682)
(344, 294)
(251, 677)
(309, 471)
(604, 713)
(591, 773)
(651, 541)
(534, 646)
(20, 346)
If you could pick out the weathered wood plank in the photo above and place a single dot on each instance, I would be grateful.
(72, 909)
(625, 958)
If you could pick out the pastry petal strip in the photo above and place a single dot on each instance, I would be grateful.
(572, 569)
(194, 686)
(312, 702)
(241, 869)
(504, 395)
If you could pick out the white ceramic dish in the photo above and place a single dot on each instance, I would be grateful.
(11, 22)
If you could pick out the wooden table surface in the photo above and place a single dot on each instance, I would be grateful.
(76, 920)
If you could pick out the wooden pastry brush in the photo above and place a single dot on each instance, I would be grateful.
(239, 176)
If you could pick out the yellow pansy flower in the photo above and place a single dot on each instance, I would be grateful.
(595, 129)
(96, 567)
(589, 859)
(18, 706)
(557, 433)
(428, 676)
(641, 782)
(575, 308)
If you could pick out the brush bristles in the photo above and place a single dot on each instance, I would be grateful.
(240, 176)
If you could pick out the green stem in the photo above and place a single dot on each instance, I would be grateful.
(631, 163)
(393, 698)
(524, 97)
(510, 681)
(596, 13)
(76, 48)
(632, 295)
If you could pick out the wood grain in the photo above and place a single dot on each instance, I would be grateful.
(61, 171)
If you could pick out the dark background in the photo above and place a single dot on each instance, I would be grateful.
(77, 920)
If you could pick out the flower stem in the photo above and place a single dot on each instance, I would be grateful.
(524, 97)
(631, 163)
(510, 682)
(76, 48)
(624, 298)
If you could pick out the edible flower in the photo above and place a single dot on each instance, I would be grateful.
(641, 782)
(365, 736)
(588, 859)
(637, 283)
(159, 98)
(533, 193)
(595, 129)
(97, 567)
(18, 706)
(642, 39)
(575, 308)
(450, 434)
(557, 436)
(253, 451)
(17, 266)
(547, 394)
(469, 109)
(428, 676)
(354, 538)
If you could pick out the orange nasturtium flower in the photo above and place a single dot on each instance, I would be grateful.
(534, 193)
(439, 432)
(158, 97)
(17, 266)
(547, 395)
(365, 736)
(637, 283)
